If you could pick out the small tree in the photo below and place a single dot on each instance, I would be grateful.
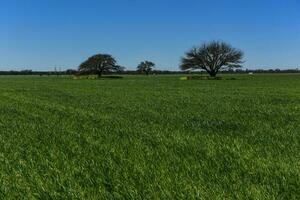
(212, 57)
(99, 64)
(145, 67)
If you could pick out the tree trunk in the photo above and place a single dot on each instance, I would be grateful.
(99, 73)
(212, 73)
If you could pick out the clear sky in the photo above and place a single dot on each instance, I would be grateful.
(42, 34)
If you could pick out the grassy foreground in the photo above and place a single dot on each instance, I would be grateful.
(150, 138)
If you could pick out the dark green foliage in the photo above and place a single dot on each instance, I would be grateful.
(145, 67)
(99, 64)
(150, 138)
(212, 57)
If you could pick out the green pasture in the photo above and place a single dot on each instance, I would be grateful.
(150, 137)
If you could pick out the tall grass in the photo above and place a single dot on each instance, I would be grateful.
(150, 138)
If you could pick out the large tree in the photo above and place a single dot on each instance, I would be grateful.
(145, 67)
(99, 64)
(212, 57)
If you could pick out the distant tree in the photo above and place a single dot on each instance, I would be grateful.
(71, 71)
(212, 57)
(99, 64)
(26, 72)
(145, 67)
(120, 69)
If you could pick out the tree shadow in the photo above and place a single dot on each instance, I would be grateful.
(207, 78)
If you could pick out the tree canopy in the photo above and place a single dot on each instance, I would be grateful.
(99, 64)
(145, 67)
(212, 57)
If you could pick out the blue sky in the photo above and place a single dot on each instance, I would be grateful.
(42, 34)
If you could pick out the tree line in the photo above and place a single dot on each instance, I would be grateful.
(153, 72)
(211, 58)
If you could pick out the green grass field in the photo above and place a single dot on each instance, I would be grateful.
(155, 137)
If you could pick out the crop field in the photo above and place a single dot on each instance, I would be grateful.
(155, 137)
